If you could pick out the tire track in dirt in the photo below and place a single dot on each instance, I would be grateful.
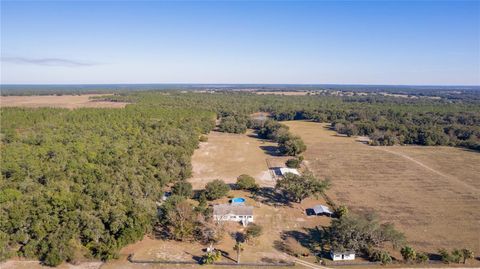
(450, 177)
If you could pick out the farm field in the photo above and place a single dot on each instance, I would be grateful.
(226, 156)
(432, 194)
(61, 101)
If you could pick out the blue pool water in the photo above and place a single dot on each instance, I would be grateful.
(238, 200)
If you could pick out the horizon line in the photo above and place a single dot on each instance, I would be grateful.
(215, 83)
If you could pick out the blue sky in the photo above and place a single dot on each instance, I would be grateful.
(345, 42)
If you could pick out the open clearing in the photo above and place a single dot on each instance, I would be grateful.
(226, 156)
(432, 194)
(61, 101)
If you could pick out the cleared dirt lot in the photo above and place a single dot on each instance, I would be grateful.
(432, 194)
(63, 101)
(226, 156)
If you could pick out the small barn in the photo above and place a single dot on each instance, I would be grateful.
(233, 212)
(322, 210)
(285, 170)
(348, 255)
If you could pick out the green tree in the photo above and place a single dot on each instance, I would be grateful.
(246, 182)
(297, 188)
(182, 188)
(361, 233)
(291, 145)
(293, 163)
(216, 189)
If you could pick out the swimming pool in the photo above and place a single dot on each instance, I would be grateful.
(238, 200)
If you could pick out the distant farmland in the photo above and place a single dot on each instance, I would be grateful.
(432, 194)
(61, 101)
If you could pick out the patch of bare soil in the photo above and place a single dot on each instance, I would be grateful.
(432, 194)
(61, 101)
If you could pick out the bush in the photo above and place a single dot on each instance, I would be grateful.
(421, 257)
(182, 188)
(253, 231)
(291, 145)
(341, 211)
(445, 256)
(246, 182)
(408, 253)
(216, 189)
(203, 138)
(381, 256)
(293, 163)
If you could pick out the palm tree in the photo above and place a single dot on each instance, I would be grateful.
(238, 247)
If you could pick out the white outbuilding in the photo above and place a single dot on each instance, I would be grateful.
(342, 255)
(285, 170)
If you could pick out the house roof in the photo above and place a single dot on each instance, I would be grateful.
(284, 170)
(319, 209)
(226, 209)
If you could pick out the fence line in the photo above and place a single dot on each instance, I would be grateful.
(130, 259)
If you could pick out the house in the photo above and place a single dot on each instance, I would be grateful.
(322, 210)
(233, 212)
(348, 255)
(285, 170)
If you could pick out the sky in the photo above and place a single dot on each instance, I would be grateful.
(278, 42)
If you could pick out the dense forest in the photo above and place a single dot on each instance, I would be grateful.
(386, 120)
(84, 183)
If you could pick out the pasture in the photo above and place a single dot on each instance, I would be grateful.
(226, 156)
(60, 101)
(432, 194)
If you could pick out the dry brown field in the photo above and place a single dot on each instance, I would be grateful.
(285, 92)
(61, 101)
(432, 194)
(226, 156)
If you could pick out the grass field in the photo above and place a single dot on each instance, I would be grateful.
(432, 194)
(63, 101)
(226, 156)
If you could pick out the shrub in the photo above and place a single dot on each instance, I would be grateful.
(182, 188)
(253, 231)
(381, 256)
(216, 189)
(408, 253)
(246, 182)
(421, 257)
(203, 138)
(445, 255)
(293, 163)
(467, 254)
(341, 211)
(211, 257)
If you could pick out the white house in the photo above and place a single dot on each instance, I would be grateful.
(342, 255)
(238, 213)
(285, 170)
